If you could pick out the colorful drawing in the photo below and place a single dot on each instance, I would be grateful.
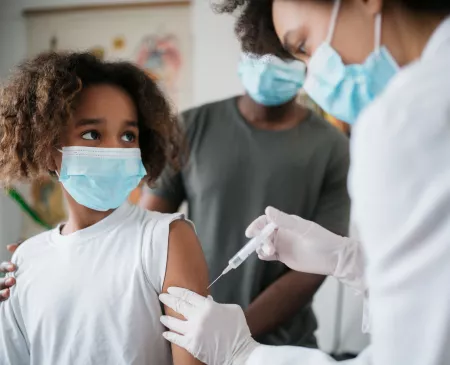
(160, 56)
(119, 43)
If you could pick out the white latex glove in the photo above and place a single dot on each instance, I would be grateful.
(216, 334)
(307, 247)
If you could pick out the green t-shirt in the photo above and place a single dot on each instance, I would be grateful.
(234, 172)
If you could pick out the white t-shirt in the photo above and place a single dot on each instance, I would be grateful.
(90, 297)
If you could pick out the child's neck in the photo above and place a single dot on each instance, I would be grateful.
(81, 217)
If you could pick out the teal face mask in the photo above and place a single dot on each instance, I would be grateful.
(269, 80)
(101, 178)
(345, 90)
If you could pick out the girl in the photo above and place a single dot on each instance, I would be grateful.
(87, 291)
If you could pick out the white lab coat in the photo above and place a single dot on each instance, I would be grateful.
(400, 186)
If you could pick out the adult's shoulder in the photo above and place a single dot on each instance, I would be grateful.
(208, 112)
(324, 131)
(399, 146)
(415, 101)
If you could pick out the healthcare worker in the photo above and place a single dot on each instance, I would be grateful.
(397, 90)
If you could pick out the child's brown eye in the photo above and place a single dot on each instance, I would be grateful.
(129, 137)
(91, 136)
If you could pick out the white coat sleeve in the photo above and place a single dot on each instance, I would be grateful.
(290, 355)
(400, 188)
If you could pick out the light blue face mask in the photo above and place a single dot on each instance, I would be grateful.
(269, 80)
(345, 90)
(101, 178)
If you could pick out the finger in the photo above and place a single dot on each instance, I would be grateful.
(7, 283)
(178, 305)
(12, 248)
(281, 219)
(176, 339)
(7, 267)
(267, 249)
(187, 295)
(255, 228)
(174, 324)
(4, 294)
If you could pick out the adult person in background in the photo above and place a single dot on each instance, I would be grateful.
(245, 153)
(383, 65)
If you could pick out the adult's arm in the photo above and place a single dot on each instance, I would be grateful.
(400, 186)
(293, 355)
(295, 289)
(282, 300)
(218, 335)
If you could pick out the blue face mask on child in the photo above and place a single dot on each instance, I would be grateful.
(269, 80)
(101, 178)
(345, 90)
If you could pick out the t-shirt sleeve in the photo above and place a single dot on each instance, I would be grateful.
(155, 249)
(333, 208)
(14, 347)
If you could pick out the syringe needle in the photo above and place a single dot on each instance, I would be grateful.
(210, 285)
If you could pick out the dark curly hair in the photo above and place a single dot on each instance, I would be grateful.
(38, 101)
(255, 30)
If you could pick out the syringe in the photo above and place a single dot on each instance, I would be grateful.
(247, 250)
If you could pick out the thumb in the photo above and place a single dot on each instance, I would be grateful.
(175, 338)
(12, 248)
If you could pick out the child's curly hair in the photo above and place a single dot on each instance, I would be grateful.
(37, 103)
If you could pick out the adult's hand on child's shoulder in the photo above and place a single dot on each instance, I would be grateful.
(6, 267)
(13, 247)
(6, 283)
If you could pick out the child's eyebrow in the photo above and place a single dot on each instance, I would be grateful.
(85, 122)
(132, 123)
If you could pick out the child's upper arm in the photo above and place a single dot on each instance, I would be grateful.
(186, 268)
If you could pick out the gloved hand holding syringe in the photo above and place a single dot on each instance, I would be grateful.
(247, 250)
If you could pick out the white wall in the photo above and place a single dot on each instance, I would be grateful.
(215, 54)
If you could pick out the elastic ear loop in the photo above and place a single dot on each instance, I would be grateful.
(377, 41)
(333, 20)
(56, 171)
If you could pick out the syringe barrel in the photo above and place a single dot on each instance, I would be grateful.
(251, 246)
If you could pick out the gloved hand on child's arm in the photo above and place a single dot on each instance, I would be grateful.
(216, 334)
